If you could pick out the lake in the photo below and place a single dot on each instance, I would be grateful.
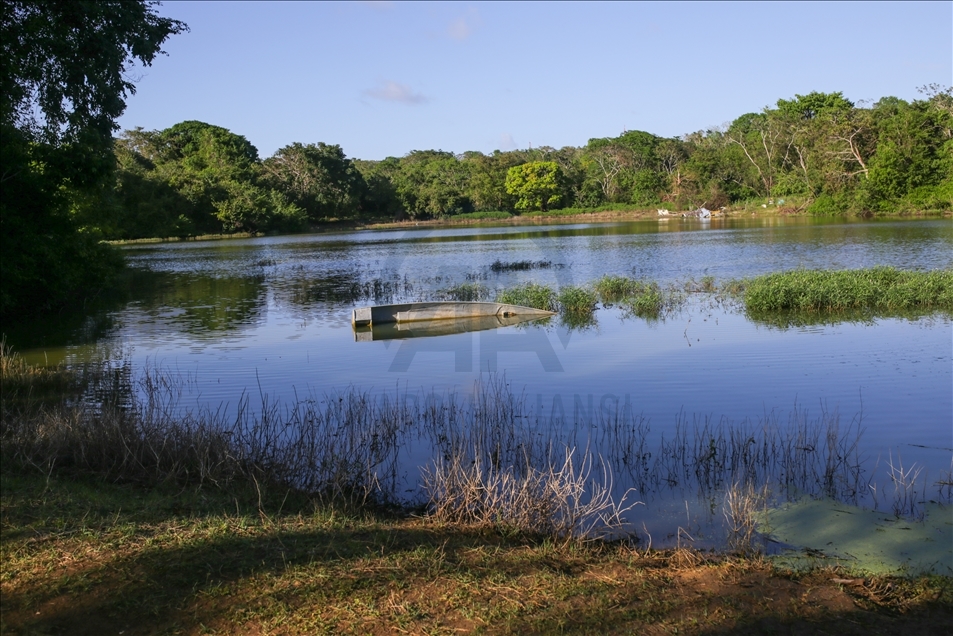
(271, 317)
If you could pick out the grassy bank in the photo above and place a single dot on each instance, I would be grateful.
(118, 515)
(85, 556)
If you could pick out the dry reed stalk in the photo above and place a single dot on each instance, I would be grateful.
(559, 500)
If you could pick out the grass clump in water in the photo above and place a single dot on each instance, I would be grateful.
(648, 301)
(466, 292)
(577, 300)
(499, 266)
(880, 288)
(529, 295)
(614, 288)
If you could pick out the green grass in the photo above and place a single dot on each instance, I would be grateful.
(612, 289)
(530, 295)
(577, 300)
(466, 292)
(646, 302)
(878, 288)
(480, 216)
(83, 556)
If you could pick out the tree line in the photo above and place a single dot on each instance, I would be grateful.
(821, 149)
(68, 182)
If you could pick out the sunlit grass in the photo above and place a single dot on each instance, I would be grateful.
(530, 295)
(577, 300)
(877, 288)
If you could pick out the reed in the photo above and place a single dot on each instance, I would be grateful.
(465, 292)
(612, 289)
(906, 498)
(560, 500)
(530, 295)
(499, 266)
(488, 449)
(878, 288)
(577, 300)
(742, 505)
(647, 301)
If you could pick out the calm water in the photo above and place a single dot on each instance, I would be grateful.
(272, 315)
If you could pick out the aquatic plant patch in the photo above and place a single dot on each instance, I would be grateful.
(879, 288)
(577, 300)
(530, 295)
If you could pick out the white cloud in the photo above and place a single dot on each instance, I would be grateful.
(390, 91)
(463, 27)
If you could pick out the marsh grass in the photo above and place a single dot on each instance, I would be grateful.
(878, 288)
(466, 292)
(355, 448)
(560, 500)
(612, 289)
(742, 505)
(530, 295)
(706, 284)
(499, 266)
(577, 300)
(646, 299)
(907, 499)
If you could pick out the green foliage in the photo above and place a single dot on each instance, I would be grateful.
(612, 289)
(814, 104)
(647, 300)
(487, 215)
(530, 295)
(432, 183)
(881, 288)
(537, 185)
(63, 83)
(466, 292)
(320, 179)
(577, 300)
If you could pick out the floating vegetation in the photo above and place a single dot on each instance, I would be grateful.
(530, 295)
(877, 288)
(519, 266)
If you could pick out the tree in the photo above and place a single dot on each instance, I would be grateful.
(537, 185)
(64, 77)
(433, 183)
(319, 178)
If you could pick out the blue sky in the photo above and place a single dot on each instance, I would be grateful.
(384, 78)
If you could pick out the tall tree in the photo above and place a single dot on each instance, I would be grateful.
(63, 82)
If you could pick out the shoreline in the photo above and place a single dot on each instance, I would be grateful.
(600, 216)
